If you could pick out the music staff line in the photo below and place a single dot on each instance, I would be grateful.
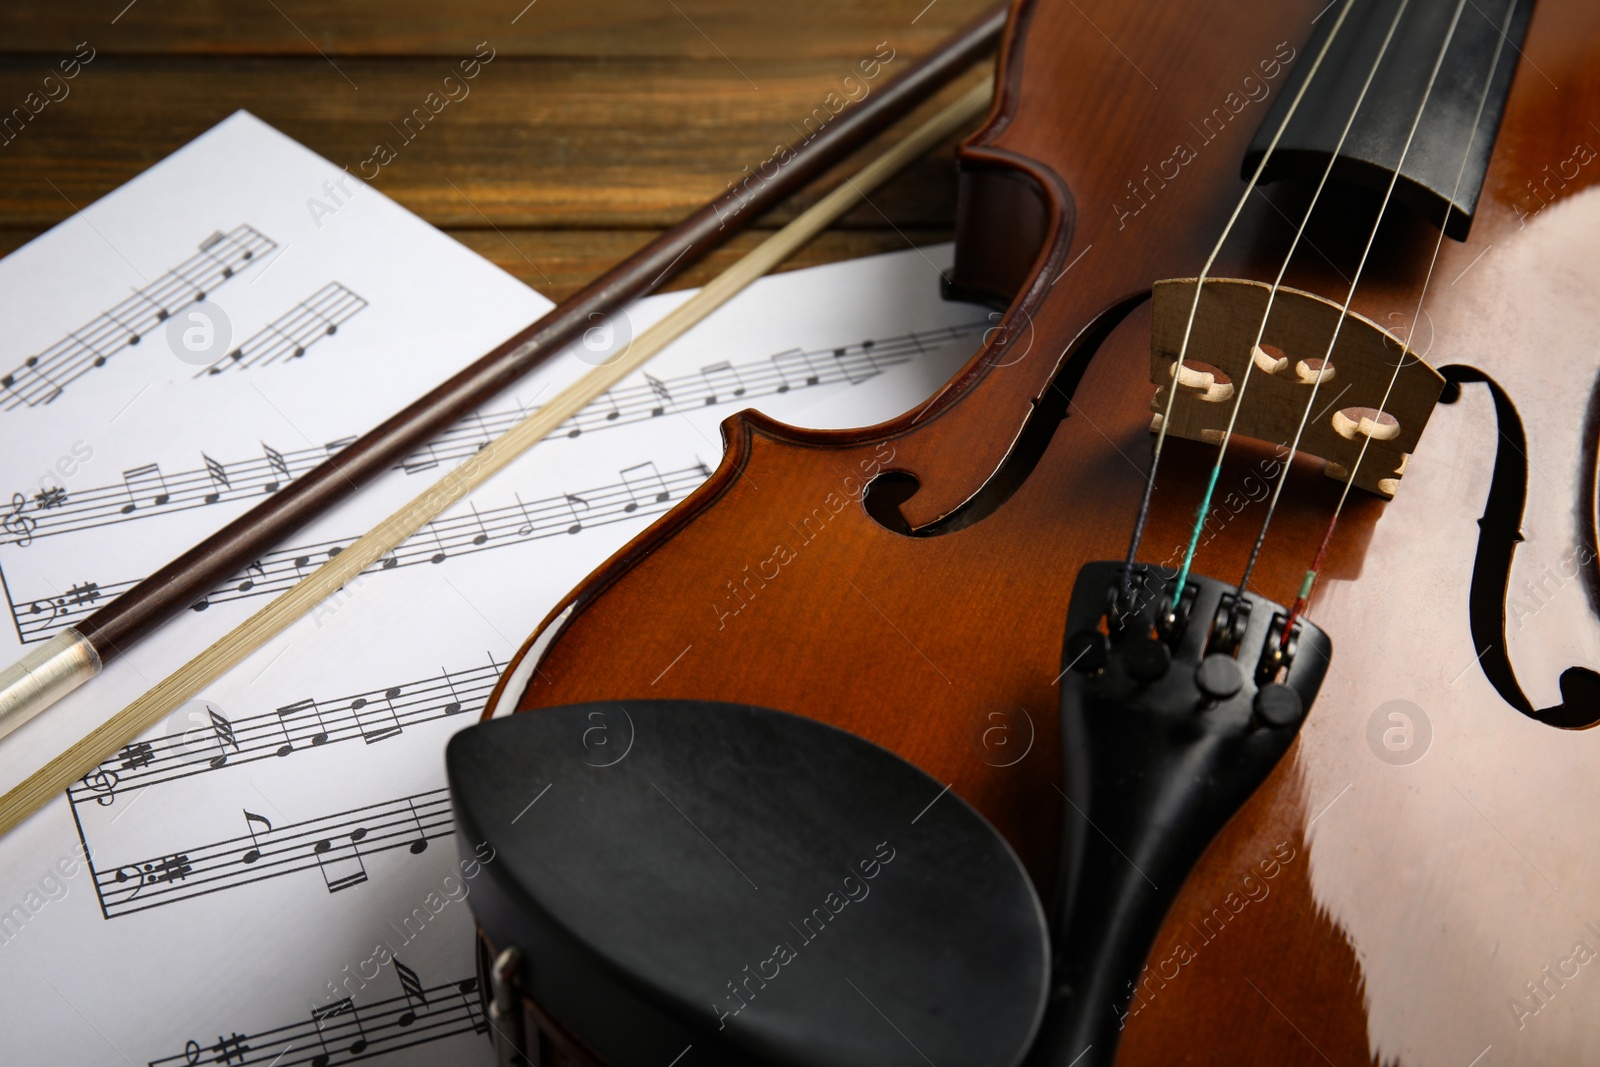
(292, 334)
(344, 1032)
(41, 378)
(301, 726)
(336, 845)
(146, 491)
(641, 490)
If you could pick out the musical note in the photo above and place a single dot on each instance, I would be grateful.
(139, 481)
(299, 726)
(644, 481)
(785, 363)
(294, 332)
(321, 1016)
(160, 312)
(411, 989)
(722, 381)
(342, 1032)
(528, 526)
(92, 507)
(29, 395)
(420, 845)
(41, 378)
(279, 466)
(131, 336)
(858, 371)
(372, 735)
(573, 503)
(251, 820)
(249, 583)
(455, 702)
(440, 556)
(219, 479)
(288, 711)
(467, 991)
(341, 865)
(337, 846)
(222, 731)
(478, 420)
(639, 491)
(663, 394)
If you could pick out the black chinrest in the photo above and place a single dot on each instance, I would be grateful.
(751, 886)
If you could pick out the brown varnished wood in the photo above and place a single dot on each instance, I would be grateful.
(917, 642)
(617, 29)
(596, 124)
(1400, 632)
(537, 145)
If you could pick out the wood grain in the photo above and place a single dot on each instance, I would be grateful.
(593, 126)
(703, 29)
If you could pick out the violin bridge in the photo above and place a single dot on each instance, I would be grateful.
(1349, 408)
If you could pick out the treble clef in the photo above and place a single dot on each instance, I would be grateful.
(19, 526)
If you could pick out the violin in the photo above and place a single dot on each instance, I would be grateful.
(1239, 593)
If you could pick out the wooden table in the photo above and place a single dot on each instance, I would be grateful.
(595, 123)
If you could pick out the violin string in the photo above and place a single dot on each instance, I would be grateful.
(1304, 597)
(1161, 434)
(1272, 296)
(1344, 311)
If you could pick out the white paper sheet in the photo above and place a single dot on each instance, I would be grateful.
(275, 877)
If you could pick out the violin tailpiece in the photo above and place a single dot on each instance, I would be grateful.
(1175, 706)
(1350, 406)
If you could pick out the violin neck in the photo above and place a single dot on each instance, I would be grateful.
(1452, 127)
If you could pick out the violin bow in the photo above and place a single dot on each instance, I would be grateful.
(250, 635)
(78, 653)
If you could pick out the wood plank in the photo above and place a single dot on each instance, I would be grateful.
(535, 143)
(722, 30)
(558, 262)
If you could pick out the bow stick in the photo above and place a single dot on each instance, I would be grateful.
(258, 629)
(78, 653)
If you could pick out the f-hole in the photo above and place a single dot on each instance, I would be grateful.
(893, 488)
(885, 494)
(1500, 531)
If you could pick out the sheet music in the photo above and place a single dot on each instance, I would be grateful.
(242, 883)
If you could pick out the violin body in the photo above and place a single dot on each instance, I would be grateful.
(1383, 897)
